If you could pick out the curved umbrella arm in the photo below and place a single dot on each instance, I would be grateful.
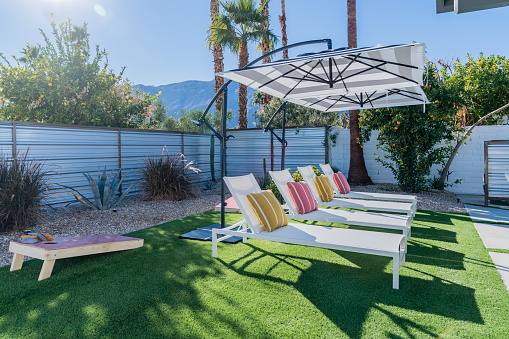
(327, 41)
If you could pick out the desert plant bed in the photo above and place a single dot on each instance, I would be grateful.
(174, 288)
(130, 215)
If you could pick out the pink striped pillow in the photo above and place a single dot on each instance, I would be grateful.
(341, 183)
(302, 196)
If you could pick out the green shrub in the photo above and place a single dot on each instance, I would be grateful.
(23, 184)
(105, 189)
(166, 177)
(411, 137)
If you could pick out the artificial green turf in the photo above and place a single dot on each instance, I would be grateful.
(174, 288)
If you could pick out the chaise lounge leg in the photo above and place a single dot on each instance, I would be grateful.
(214, 244)
(395, 272)
(244, 228)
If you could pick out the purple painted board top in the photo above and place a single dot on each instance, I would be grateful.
(83, 240)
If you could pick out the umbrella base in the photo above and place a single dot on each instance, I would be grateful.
(205, 234)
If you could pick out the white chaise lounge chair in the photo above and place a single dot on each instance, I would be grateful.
(375, 243)
(370, 219)
(283, 177)
(327, 170)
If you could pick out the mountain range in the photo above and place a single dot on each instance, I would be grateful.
(195, 95)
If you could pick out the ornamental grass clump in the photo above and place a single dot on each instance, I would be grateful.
(167, 177)
(23, 184)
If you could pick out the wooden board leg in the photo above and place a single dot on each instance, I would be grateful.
(46, 269)
(17, 262)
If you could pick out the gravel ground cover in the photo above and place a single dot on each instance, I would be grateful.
(442, 201)
(133, 214)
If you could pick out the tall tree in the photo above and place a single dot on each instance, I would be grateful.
(265, 44)
(282, 21)
(241, 22)
(217, 52)
(357, 173)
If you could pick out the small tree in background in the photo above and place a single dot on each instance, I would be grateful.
(60, 82)
(411, 137)
(483, 86)
(186, 121)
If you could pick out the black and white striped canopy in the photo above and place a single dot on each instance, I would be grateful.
(334, 72)
(365, 100)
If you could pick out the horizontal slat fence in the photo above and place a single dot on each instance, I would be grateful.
(245, 152)
(68, 151)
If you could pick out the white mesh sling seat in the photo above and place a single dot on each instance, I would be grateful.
(374, 243)
(327, 170)
(370, 219)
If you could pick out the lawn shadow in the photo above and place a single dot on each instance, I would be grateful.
(144, 292)
(433, 255)
(346, 294)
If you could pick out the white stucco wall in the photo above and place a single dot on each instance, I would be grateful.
(467, 165)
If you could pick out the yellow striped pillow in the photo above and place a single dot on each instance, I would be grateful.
(268, 210)
(324, 188)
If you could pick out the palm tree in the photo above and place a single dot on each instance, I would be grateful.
(241, 22)
(78, 34)
(30, 54)
(282, 21)
(217, 52)
(265, 46)
(258, 100)
(358, 173)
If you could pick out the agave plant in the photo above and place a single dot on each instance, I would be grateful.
(105, 190)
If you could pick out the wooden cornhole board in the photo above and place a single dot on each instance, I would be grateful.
(231, 206)
(68, 247)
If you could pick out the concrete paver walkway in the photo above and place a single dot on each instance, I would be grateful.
(480, 213)
(495, 236)
(501, 261)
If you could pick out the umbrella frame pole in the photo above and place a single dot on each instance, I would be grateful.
(223, 155)
(283, 142)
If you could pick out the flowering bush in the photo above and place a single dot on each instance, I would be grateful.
(61, 83)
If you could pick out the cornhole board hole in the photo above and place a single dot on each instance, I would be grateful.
(231, 206)
(68, 247)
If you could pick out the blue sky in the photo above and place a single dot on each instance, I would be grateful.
(161, 42)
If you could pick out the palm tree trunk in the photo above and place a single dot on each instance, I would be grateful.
(282, 21)
(358, 174)
(243, 61)
(217, 52)
(266, 47)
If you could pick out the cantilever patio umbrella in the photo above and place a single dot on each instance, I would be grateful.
(341, 79)
(333, 72)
